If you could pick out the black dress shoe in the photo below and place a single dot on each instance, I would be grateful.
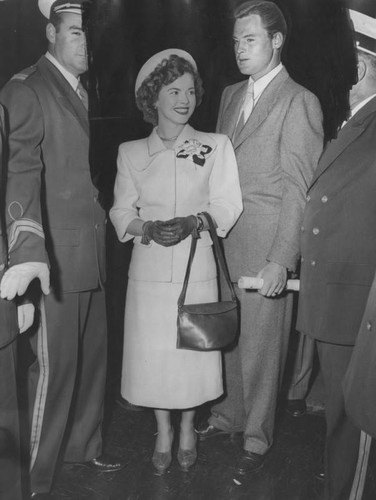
(248, 463)
(296, 407)
(126, 405)
(103, 463)
(210, 431)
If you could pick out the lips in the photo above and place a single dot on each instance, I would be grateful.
(182, 111)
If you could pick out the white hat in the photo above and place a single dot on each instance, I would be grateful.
(156, 59)
(59, 6)
(365, 28)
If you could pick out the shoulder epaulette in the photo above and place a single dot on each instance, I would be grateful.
(24, 74)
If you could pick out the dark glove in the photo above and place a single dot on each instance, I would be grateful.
(160, 232)
(182, 226)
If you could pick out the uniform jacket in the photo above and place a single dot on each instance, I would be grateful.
(338, 234)
(277, 152)
(8, 312)
(153, 183)
(52, 205)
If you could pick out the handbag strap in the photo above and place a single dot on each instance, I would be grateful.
(219, 255)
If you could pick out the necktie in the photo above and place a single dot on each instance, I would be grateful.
(82, 94)
(246, 108)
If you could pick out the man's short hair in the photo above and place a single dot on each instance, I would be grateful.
(271, 15)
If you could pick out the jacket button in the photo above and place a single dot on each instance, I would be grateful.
(302, 229)
(324, 199)
(308, 198)
(313, 263)
(369, 326)
(2, 267)
(315, 230)
(96, 226)
(302, 259)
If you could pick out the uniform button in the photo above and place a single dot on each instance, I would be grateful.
(369, 326)
(315, 230)
(2, 267)
(324, 199)
(308, 198)
(96, 226)
(302, 229)
(313, 263)
(95, 199)
(302, 259)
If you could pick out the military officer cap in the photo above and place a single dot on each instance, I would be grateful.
(59, 7)
(363, 16)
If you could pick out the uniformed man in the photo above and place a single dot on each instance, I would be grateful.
(54, 217)
(339, 261)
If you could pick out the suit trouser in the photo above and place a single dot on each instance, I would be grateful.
(342, 437)
(67, 383)
(303, 366)
(10, 470)
(253, 370)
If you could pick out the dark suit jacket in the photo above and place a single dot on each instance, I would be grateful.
(52, 205)
(339, 237)
(8, 312)
(277, 152)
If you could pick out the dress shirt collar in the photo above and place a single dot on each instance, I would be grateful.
(73, 81)
(260, 85)
(156, 144)
(359, 106)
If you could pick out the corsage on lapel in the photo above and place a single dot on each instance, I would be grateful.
(195, 151)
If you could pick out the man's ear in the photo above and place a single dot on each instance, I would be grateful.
(362, 69)
(50, 33)
(277, 40)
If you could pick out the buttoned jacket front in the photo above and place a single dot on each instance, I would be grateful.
(338, 235)
(277, 151)
(155, 183)
(53, 214)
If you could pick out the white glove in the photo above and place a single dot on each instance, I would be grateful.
(25, 316)
(17, 278)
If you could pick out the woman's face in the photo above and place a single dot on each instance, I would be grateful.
(177, 101)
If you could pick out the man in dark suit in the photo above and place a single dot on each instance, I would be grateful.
(276, 129)
(54, 217)
(339, 261)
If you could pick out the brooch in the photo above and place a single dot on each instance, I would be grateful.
(195, 151)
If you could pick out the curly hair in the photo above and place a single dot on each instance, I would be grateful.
(165, 73)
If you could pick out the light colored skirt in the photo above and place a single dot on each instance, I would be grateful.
(155, 373)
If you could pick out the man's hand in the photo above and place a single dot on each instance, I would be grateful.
(275, 278)
(17, 278)
(25, 316)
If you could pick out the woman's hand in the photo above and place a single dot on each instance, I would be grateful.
(160, 232)
(182, 226)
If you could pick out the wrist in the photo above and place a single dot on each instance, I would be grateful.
(146, 237)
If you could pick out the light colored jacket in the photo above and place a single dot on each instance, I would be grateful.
(155, 183)
(277, 152)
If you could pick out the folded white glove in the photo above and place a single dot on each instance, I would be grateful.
(17, 278)
(25, 316)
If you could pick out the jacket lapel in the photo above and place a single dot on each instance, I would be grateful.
(64, 92)
(231, 113)
(347, 135)
(262, 107)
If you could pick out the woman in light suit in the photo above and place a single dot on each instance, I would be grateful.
(163, 184)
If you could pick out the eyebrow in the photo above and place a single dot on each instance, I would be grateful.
(74, 27)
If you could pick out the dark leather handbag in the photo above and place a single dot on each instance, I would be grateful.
(209, 326)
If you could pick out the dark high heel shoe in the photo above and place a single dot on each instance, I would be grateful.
(187, 458)
(162, 459)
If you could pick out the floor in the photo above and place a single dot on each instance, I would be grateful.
(288, 473)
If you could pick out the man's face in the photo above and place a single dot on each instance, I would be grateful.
(255, 51)
(68, 43)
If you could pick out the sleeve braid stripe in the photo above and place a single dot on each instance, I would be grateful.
(21, 225)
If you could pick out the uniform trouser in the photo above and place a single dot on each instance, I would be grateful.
(253, 371)
(67, 383)
(303, 366)
(10, 470)
(343, 454)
